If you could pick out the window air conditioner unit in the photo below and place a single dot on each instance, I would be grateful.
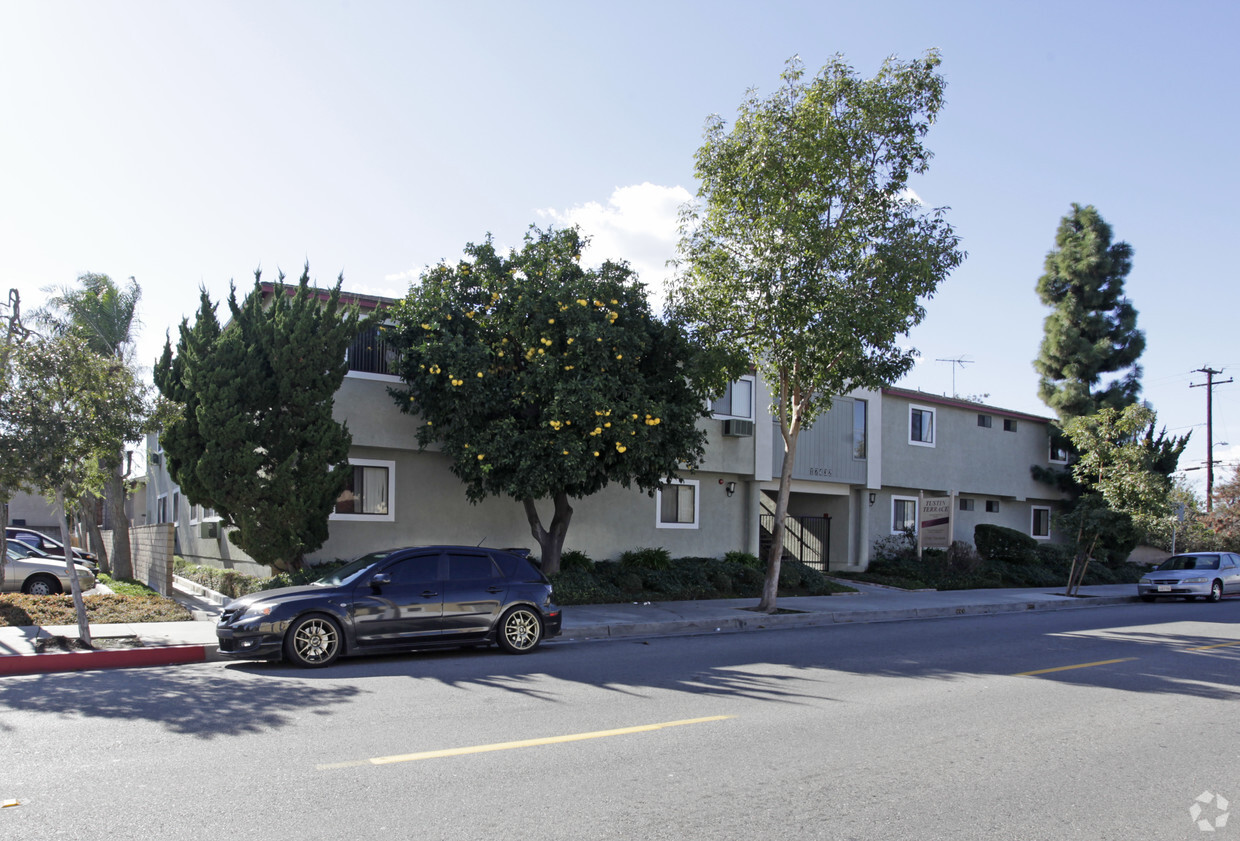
(209, 530)
(734, 428)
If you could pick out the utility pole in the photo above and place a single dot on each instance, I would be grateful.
(1209, 385)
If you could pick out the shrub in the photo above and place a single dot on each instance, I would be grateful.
(575, 559)
(999, 543)
(657, 558)
(744, 558)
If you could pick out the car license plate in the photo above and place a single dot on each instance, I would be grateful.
(1164, 588)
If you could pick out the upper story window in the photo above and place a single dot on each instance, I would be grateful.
(921, 426)
(859, 426)
(984, 421)
(1009, 424)
(1059, 451)
(369, 352)
(736, 402)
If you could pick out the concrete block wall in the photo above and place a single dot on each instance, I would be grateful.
(152, 549)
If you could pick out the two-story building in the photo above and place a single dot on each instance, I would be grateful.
(856, 478)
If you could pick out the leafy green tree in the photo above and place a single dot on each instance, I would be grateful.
(1224, 520)
(10, 469)
(256, 440)
(1123, 488)
(1091, 331)
(103, 314)
(542, 379)
(63, 413)
(805, 255)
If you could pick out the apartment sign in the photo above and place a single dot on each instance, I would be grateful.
(935, 528)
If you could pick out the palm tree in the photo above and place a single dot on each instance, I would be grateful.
(104, 315)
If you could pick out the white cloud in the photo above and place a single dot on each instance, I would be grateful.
(638, 224)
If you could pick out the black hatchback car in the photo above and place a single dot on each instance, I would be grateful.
(397, 600)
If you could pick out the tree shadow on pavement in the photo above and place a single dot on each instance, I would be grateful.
(193, 701)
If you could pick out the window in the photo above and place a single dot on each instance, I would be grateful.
(161, 508)
(369, 353)
(1041, 525)
(984, 421)
(1059, 448)
(736, 402)
(1009, 424)
(903, 514)
(921, 426)
(992, 506)
(471, 568)
(966, 504)
(176, 507)
(859, 417)
(369, 493)
(677, 505)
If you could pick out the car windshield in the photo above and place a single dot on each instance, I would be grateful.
(351, 571)
(1190, 562)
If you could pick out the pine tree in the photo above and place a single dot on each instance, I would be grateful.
(1092, 329)
(257, 441)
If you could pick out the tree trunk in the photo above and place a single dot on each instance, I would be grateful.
(78, 604)
(550, 541)
(122, 552)
(89, 509)
(789, 429)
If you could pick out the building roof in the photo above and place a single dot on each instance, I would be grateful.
(960, 403)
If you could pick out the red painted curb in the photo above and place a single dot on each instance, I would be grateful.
(126, 658)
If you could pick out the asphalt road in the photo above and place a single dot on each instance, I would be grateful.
(917, 730)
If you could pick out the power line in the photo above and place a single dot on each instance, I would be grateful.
(1209, 429)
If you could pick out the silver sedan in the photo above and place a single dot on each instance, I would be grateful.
(1210, 575)
(37, 576)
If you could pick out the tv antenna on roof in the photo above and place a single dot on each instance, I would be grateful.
(959, 360)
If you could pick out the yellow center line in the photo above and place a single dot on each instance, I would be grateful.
(525, 743)
(1216, 645)
(1077, 666)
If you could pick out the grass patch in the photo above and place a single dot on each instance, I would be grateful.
(17, 609)
(125, 586)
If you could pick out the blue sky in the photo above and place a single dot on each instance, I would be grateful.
(187, 144)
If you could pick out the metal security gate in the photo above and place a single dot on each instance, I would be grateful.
(807, 539)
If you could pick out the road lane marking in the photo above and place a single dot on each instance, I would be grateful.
(1216, 645)
(1077, 666)
(525, 743)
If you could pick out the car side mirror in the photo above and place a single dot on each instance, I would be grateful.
(379, 579)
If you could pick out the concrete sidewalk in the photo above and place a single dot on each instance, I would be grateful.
(164, 643)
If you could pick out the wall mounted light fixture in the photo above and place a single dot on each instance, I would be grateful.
(730, 488)
(873, 497)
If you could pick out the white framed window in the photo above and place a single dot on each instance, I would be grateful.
(1040, 522)
(992, 506)
(1058, 444)
(370, 494)
(903, 514)
(736, 402)
(966, 504)
(1009, 424)
(921, 426)
(676, 505)
(161, 508)
(176, 507)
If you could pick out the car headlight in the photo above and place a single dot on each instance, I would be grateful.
(256, 610)
(1194, 581)
(1144, 581)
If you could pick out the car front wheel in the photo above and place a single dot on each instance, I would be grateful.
(1216, 592)
(41, 585)
(312, 642)
(520, 630)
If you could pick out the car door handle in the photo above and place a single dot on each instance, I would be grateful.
(495, 589)
(428, 594)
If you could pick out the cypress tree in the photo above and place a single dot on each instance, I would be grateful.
(257, 441)
(1092, 328)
